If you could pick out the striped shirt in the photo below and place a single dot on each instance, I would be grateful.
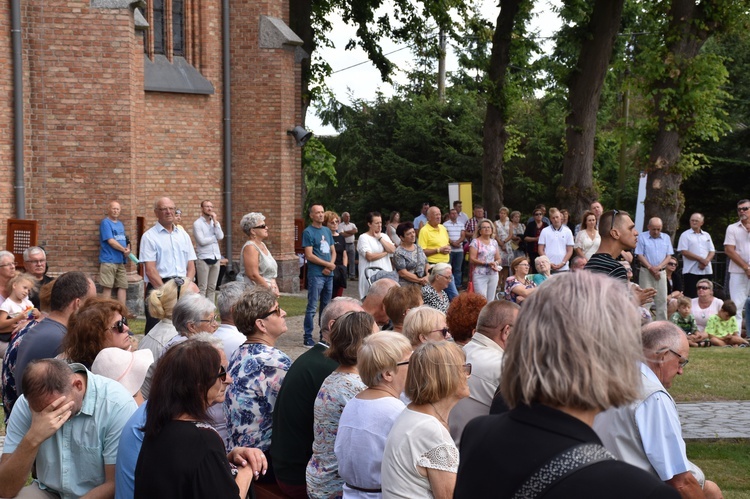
(603, 263)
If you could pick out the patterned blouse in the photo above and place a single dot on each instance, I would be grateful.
(322, 474)
(257, 372)
(10, 391)
(435, 299)
(413, 261)
(485, 253)
(511, 283)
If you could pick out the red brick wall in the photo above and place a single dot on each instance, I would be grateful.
(94, 135)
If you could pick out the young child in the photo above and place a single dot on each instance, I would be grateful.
(685, 320)
(17, 306)
(722, 328)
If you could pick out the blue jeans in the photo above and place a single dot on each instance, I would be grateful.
(318, 288)
(457, 260)
(451, 291)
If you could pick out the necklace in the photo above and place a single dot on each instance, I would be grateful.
(438, 415)
(377, 388)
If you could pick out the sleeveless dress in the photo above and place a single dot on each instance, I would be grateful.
(267, 265)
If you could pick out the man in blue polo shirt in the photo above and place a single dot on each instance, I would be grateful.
(113, 254)
(653, 251)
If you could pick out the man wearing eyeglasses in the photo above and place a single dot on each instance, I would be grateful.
(35, 263)
(647, 433)
(166, 251)
(737, 248)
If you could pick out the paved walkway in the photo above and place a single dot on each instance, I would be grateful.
(707, 420)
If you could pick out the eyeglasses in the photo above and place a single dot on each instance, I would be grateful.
(702, 287)
(11, 264)
(467, 369)
(614, 217)
(404, 363)
(119, 325)
(264, 226)
(485, 227)
(35, 262)
(276, 311)
(222, 374)
(443, 331)
(537, 214)
(213, 320)
(743, 208)
(683, 360)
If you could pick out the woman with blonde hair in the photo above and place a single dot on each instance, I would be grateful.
(484, 256)
(423, 324)
(382, 362)
(257, 266)
(576, 354)
(331, 220)
(161, 301)
(420, 457)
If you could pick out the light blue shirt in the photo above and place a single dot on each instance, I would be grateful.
(131, 442)
(170, 250)
(71, 462)
(655, 250)
(661, 432)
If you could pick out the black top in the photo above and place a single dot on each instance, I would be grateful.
(499, 452)
(339, 242)
(185, 460)
(675, 284)
(603, 263)
(533, 231)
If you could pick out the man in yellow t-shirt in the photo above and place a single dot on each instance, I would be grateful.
(434, 241)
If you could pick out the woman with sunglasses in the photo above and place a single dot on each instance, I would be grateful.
(100, 323)
(424, 324)
(433, 293)
(706, 304)
(182, 455)
(348, 332)
(382, 362)
(674, 285)
(257, 266)
(420, 457)
(257, 368)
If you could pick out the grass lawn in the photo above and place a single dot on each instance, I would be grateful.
(293, 305)
(724, 462)
(714, 373)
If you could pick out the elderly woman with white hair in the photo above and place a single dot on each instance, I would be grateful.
(576, 354)
(543, 269)
(382, 362)
(257, 266)
(433, 293)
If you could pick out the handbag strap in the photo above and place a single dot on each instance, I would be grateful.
(561, 466)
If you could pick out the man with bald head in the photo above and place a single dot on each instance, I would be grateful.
(166, 251)
(373, 302)
(291, 446)
(648, 433)
(113, 254)
(653, 251)
(697, 249)
(436, 244)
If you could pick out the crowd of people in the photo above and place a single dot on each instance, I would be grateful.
(429, 386)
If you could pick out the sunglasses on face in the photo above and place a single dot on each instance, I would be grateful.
(276, 311)
(261, 227)
(120, 325)
(222, 374)
(702, 287)
(444, 331)
(743, 208)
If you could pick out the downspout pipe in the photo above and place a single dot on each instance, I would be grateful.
(227, 96)
(18, 142)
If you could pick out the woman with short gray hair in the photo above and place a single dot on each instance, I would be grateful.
(433, 293)
(194, 314)
(257, 266)
(257, 369)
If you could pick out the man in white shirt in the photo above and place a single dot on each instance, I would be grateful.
(485, 354)
(737, 248)
(207, 232)
(697, 250)
(463, 218)
(348, 229)
(227, 332)
(456, 235)
(556, 242)
(166, 252)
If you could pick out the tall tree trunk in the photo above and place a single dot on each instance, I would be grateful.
(577, 191)
(663, 196)
(495, 135)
